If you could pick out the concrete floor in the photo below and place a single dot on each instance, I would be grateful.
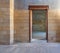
(31, 48)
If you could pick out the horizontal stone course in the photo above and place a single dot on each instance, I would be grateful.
(4, 22)
(21, 21)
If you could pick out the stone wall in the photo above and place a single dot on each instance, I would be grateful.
(54, 25)
(21, 25)
(4, 22)
(21, 19)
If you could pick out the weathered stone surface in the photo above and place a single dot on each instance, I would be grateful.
(21, 25)
(4, 22)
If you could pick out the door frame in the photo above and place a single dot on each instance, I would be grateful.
(34, 7)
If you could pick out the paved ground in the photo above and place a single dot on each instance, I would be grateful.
(38, 41)
(31, 48)
(39, 35)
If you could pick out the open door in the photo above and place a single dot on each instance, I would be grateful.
(38, 22)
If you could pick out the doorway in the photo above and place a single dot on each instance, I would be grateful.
(38, 23)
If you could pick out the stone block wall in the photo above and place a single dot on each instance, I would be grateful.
(54, 25)
(4, 22)
(21, 19)
(21, 25)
